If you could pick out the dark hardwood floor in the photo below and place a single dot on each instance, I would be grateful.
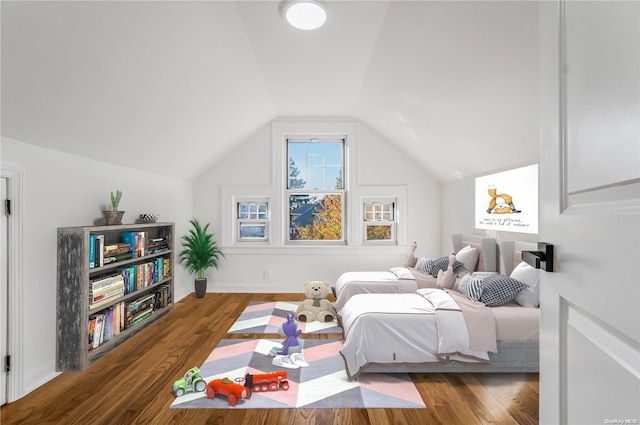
(132, 385)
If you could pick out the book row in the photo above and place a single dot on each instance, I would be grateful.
(127, 279)
(109, 323)
(131, 245)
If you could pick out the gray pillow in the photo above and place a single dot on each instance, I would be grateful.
(471, 287)
(443, 264)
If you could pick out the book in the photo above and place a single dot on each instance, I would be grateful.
(105, 280)
(92, 328)
(117, 248)
(108, 325)
(138, 241)
(95, 298)
(99, 250)
(92, 251)
(97, 334)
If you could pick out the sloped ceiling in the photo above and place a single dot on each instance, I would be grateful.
(172, 87)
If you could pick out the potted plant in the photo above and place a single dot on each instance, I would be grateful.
(114, 216)
(199, 252)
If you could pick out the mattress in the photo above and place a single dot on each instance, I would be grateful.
(401, 330)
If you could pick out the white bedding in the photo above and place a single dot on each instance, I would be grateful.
(397, 329)
(396, 280)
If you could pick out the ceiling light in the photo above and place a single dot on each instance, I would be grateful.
(304, 14)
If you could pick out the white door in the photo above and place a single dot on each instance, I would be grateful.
(4, 301)
(590, 211)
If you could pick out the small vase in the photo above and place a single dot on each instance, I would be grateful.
(201, 286)
(113, 217)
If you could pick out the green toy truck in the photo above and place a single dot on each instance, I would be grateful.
(191, 381)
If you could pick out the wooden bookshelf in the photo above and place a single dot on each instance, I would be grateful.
(73, 281)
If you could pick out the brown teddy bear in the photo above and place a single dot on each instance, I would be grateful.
(316, 306)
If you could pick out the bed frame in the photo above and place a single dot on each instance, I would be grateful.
(489, 249)
(512, 356)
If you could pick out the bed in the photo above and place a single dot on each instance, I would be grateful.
(442, 330)
(475, 253)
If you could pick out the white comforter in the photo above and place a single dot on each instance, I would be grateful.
(396, 280)
(423, 327)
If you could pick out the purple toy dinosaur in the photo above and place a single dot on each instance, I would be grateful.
(291, 331)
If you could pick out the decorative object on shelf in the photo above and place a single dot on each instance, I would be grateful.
(200, 252)
(114, 216)
(149, 218)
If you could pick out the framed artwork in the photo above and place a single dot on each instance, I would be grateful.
(508, 201)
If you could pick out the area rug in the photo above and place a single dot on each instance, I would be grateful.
(266, 317)
(321, 385)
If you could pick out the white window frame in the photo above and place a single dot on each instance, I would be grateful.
(399, 193)
(319, 192)
(261, 221)
(366, 223)
(231, 196)
(331, 128)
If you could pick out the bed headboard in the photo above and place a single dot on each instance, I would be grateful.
(511, 254)
(487, 250)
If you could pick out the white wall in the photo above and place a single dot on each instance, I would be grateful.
(62, 190)
(378, 163)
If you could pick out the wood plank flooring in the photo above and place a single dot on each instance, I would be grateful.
(132, 385)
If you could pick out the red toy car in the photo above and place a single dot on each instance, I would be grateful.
(226, 387)
(266, 381)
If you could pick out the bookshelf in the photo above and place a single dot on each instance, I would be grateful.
(116, 291)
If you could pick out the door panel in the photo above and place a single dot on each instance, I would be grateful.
(4, 300)
(590, 211)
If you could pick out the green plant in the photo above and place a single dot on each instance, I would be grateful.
(199, 250)
(115, 200)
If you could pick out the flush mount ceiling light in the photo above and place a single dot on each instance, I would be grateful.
(304, 14)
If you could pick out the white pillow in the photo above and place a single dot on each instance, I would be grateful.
(469, 257)
(529, 296)
(446, 279)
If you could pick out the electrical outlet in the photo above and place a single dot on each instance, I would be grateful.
(266, 274)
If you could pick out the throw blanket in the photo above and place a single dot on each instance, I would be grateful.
(455, 327)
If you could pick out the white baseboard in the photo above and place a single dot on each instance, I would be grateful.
(38, 377)
(261, 288)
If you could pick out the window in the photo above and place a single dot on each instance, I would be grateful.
(253, 221)
(315, 190)
(379, 221)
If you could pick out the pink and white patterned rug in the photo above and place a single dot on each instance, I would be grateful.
(323, 384)
(266, 317)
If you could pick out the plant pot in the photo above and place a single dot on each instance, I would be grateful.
(113, 217)
(201, 286)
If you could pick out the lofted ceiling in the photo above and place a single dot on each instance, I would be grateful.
(171, 87)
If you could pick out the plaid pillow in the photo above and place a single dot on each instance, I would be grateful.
(498, 290)
(443, 264)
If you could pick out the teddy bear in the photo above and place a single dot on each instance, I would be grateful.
(316, 306)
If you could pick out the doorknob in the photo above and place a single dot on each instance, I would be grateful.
(541, 259)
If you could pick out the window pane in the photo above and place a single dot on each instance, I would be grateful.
(333, 153)
(298, 153)
(315, 164)
(315, 217)
(315, 153)
(296, 176)
(333, 177)
(378, 232)
(253, 231)
(376, 211)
